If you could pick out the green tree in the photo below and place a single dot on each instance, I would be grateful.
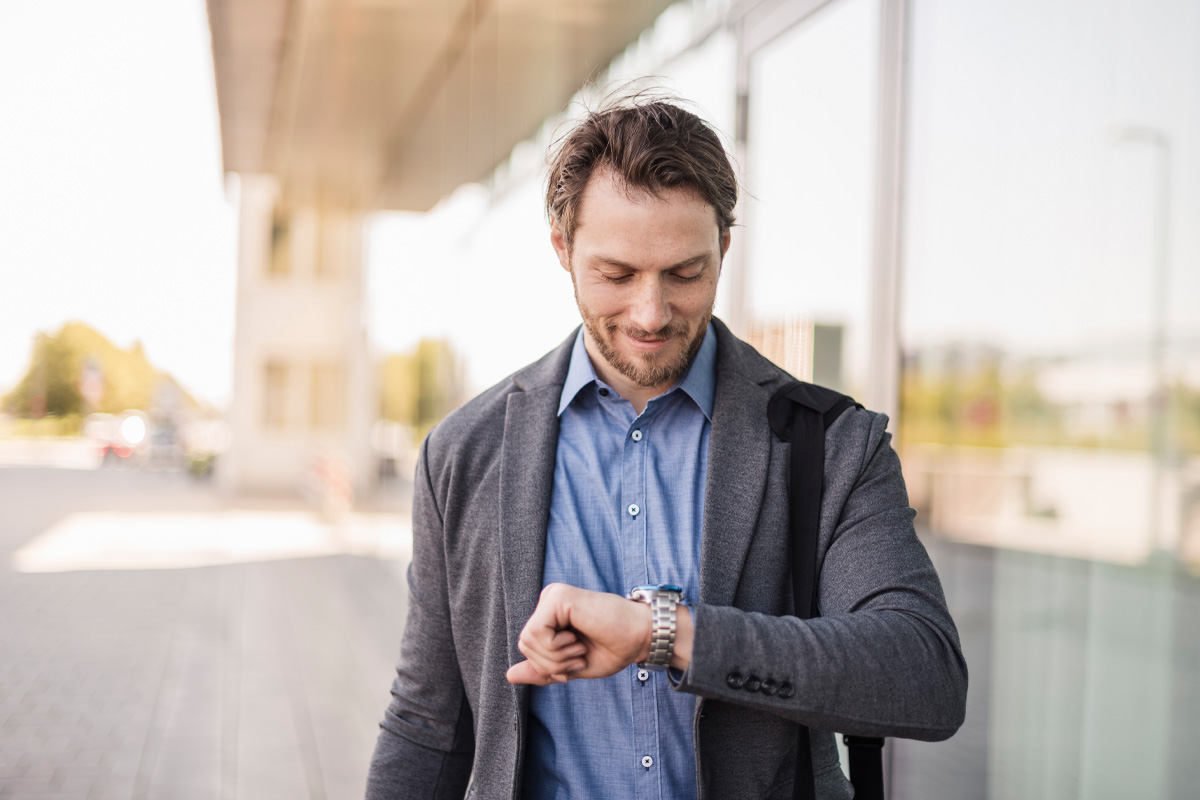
(51, 385)
(422, 386)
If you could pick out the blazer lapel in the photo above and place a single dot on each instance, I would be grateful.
(739, 454)
(526, 486)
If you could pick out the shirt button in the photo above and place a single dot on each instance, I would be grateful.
(604, 392)
(643, 675)
(647, 762)
(636, 436)
(634, 510)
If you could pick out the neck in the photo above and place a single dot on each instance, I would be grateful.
(635, 393)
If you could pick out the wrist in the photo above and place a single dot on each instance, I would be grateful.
(645, 625)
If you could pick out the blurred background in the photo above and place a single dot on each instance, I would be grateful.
(250, 252)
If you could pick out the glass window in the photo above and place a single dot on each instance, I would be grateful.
(810, 194)
(327, 398)
(322, 267)
(280, 262)
(275, 393)
(1049, 421)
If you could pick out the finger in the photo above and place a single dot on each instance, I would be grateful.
(561, 639)
(559, 663)
(534, 646)
(545, 661)
(568, 652)
(524, 672)
(558, 646)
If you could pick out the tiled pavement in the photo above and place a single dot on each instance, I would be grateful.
(266, 680)
(259, 680)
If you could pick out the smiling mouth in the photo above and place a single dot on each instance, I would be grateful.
(647, 345)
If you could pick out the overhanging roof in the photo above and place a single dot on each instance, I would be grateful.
(393, 103)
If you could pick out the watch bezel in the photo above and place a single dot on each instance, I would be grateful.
(653, 587)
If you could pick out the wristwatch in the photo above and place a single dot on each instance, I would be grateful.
(662, 600)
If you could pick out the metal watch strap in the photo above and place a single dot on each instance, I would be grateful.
(663, 602)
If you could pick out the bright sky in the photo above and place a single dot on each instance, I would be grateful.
(1029, 224)
(1026, 224)
(112, 204)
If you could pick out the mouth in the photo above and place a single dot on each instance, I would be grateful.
(647, 345)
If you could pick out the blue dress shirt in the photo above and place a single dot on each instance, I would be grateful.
(626, 510)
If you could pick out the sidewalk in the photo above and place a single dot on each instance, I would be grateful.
(263, 679)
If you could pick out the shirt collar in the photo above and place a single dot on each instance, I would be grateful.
(579, 374)
(699, 383)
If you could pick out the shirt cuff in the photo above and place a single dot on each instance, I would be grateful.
(675, 676)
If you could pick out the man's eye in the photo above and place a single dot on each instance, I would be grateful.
(689, 278)
(614, 278)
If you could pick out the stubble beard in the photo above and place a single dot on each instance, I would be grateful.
(652, 369)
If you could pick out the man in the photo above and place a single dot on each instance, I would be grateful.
(638, 453)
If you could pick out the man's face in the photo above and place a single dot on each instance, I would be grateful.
(645, 271)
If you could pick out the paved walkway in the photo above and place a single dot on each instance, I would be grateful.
(247, 672)
(256, 680)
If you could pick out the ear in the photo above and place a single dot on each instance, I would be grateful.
(559, 241)
(726, 238)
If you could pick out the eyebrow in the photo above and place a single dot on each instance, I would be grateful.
(687, 262)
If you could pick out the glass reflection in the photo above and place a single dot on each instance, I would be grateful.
(1050, 398)
(810, 193)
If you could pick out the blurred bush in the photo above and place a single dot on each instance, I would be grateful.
(78, 371)
(421, 386)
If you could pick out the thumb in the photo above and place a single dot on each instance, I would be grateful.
(523, 672)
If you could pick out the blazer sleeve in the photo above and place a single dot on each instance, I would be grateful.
(884, 658)
(426, 740)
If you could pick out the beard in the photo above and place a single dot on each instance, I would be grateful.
(648, 370)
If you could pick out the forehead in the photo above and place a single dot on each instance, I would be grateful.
(612, 212)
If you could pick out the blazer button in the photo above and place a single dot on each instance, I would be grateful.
(753, 682)
(769, 687)
(786, 690)
(735, 680)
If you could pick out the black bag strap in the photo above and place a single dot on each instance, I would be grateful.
(866, 765)
(800, 413)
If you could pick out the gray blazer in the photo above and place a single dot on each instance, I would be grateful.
(882, 659)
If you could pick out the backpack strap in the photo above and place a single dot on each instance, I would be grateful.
(800, 413)
(866, 765)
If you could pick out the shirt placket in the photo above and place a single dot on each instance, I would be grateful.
(635, 572)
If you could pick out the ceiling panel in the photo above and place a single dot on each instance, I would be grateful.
(393, 104)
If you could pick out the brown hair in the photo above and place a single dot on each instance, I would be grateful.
(649, 144)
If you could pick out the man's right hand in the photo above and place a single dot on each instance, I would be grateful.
(578, 633)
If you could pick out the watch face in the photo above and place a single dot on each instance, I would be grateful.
(661, 587)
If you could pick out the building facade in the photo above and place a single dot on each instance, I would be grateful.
(971, 216)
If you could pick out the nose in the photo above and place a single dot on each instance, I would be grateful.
(651, 310)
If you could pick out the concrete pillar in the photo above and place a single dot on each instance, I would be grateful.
(304, 394)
